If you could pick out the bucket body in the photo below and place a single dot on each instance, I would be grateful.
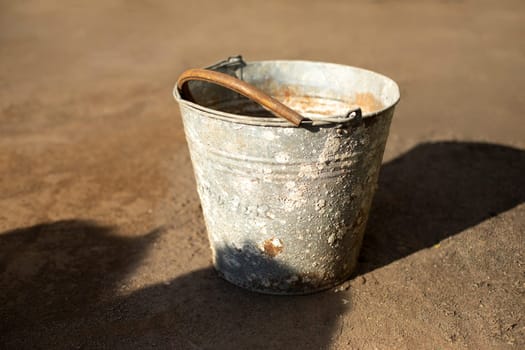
(286, 207)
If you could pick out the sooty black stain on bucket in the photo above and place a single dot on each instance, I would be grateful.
(286, 207)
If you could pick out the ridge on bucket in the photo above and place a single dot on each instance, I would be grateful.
(286, 156)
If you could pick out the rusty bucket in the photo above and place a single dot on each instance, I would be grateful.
(286, 156)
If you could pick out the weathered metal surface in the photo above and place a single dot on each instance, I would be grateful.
(286, 207)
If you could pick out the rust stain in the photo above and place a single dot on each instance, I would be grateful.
(295, 98)
(273, 247)
(368, 102)
(287, 93)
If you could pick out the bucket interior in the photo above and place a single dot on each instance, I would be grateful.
(313, 89)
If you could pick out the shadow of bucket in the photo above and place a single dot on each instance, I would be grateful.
(285, 200)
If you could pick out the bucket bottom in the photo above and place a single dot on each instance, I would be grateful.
(265, 274)
(299, 289)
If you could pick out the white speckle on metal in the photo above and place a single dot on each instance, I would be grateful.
(331, 238)
(259, 224)
(330, 148)
(295, 198)
(269, 135)
(276, 242)
(235, 202)
(282, 157)
(321, 203)
(290, 185)
(293, 279)
(232, 261)
(308, 171)
(247, 184)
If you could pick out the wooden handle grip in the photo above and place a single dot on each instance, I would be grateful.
(243, 88)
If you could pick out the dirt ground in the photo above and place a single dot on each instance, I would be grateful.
(102, 240)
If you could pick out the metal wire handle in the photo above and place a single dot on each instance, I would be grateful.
(241, 87)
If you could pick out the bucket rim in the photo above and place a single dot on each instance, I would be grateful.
(279, 122)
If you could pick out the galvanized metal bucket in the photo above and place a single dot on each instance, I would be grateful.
(285, 183)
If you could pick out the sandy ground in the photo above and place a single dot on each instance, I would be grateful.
(103, 243)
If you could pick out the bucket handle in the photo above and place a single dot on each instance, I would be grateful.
(241, 87)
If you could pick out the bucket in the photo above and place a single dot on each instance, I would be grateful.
(286, 156)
